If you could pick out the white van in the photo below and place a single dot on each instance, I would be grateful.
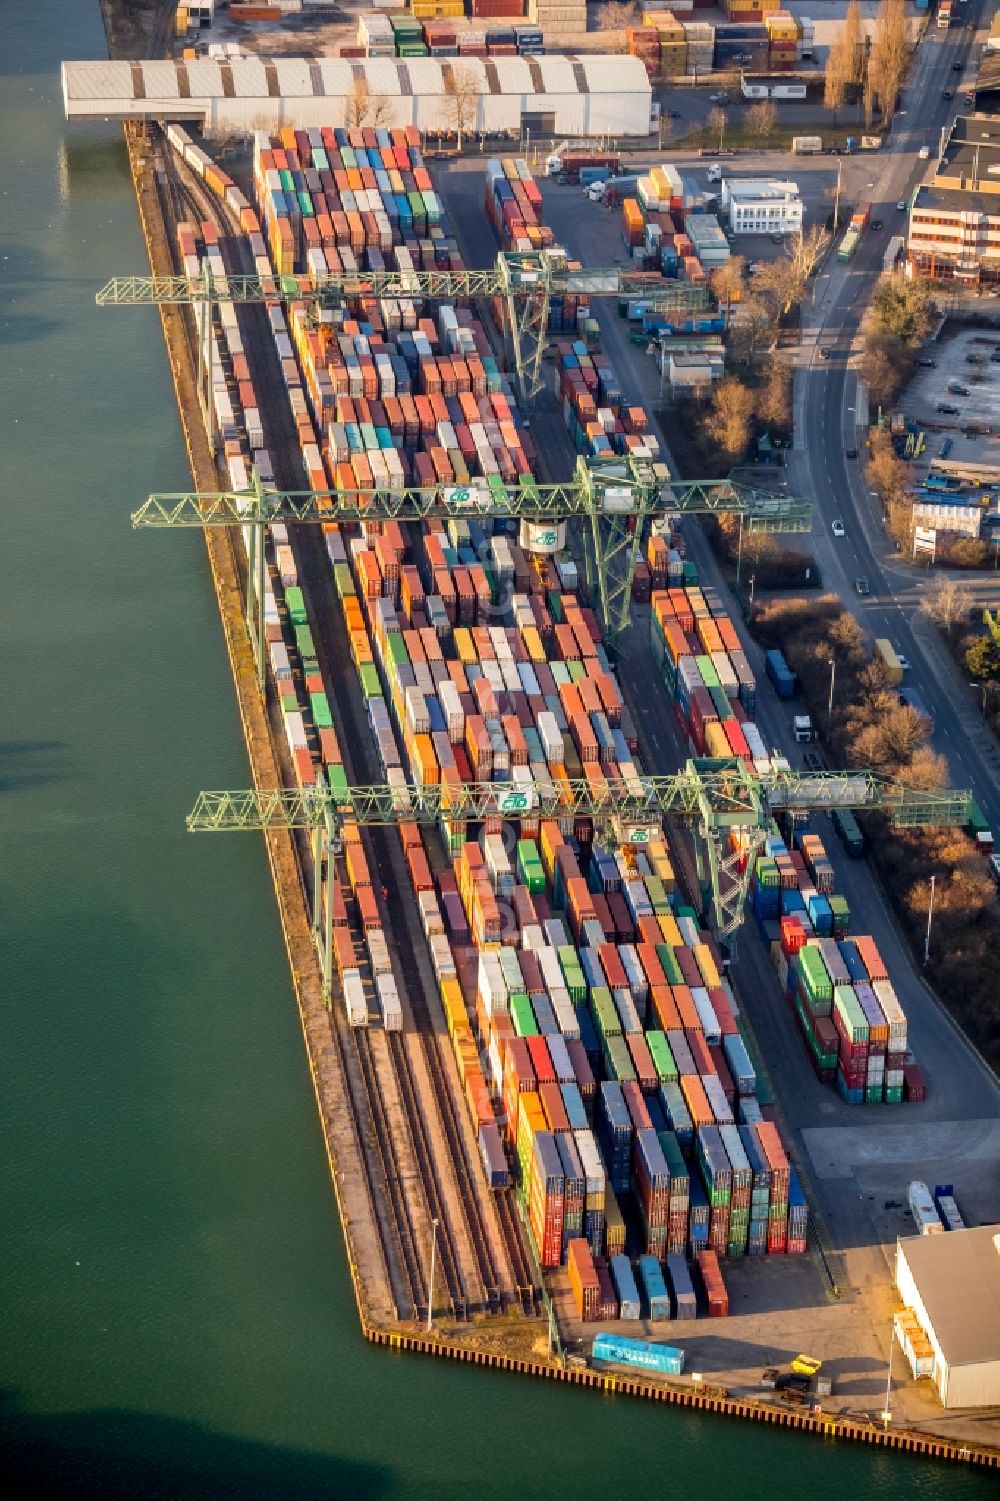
(714, 173)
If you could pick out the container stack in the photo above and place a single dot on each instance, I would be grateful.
(375, 35)
(783, 37)
(513, 204)
(644, 43)
(596, 1041)
(705, 670)
(558, 18)
(672, 42)
(742, 48)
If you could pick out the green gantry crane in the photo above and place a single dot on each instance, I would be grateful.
(612, 497)
(527, 282)
(708, 796)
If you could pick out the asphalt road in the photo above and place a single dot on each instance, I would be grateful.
(826, 428)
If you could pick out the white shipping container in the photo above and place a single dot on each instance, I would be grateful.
(442, 958)
(565, 1013)
(378, 951)
(354, 999)
(389, 1002)
(430, 913)
(926, 1217)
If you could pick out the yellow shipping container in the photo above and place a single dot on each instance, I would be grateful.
(614, 1225)
(181, 21)
(465, 646)
(716, 743)
(454, 1006)
(706, 963)
(671, 932)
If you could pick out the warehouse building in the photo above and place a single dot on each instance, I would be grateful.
(954, 228)
(565, 96)
(762, 206)
(951, 1283)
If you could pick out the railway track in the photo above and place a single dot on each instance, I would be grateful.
(192, 199)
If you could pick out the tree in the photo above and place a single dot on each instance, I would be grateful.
(616, 16)
(753, 329)
(716, 121)
(728, 419)
(903, 308)
(835, 78)
(887, 473)
(854, 43)
(806, 251)
(463, 92)
(948, 604)
(983, 659)
(890, 56)
(727, 282)
(365, 108)
(774, 397)
(760, 119)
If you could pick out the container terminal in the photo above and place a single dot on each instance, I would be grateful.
(552, 1085)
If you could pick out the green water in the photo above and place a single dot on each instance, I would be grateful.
(176, 1316)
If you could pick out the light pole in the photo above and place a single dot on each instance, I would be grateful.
(886, 1413)
(430, 1291)
(739, 550)
(750, 583)
(836, 201)
(829, 705)
(930, 919)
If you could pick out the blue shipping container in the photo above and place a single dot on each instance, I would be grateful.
(629, 1306)
(614, 1350)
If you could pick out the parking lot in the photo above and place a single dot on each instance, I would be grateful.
(963, 376)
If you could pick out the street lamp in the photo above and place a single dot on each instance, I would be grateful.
(886, 1413)
(930, 919)
(750, 583)
(430, 1291)
(832, 664)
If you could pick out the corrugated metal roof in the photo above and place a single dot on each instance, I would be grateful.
(616, 75)
(513, 75)
(205, 79)
(958, 1278)
(293, 77)
(249, 79)
(254, 77)
(160, 79)
(98, 80)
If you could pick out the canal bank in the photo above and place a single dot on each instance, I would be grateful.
(160, 1131)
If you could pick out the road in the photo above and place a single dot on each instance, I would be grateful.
(826, 401)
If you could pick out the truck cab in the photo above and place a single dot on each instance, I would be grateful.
(802, 728)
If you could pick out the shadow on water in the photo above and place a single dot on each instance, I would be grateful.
(30, 763)
(118, 1455)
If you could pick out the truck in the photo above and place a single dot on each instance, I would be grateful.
(925, 1216)
(848, 831)
(891, 664)
(594, 177)
(568, 166)
(849, 243)
(780, 674)
(802, 728)
(807, 145)
(944, 13)
(611, 190)
(978, 828)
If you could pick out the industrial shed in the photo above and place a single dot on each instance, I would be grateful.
(951, 1282)
(565, 96)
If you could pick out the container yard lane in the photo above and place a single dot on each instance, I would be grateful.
(958, 1120)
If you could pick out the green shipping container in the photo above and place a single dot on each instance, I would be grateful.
(289, 699)
(522, 1016)
(668, 960)
(343, 581)
(320, 705)
(605, 1013)
(396, 649)
(873, 1096)
(619, 1060)
(304, 644)
(706, 667)
(723, 707)
(663, 1058)
(370, 685)
(894, 1095)
(296, 605)
(336, 777)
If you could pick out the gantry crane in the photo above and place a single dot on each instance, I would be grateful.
(613, 497)
(526, 281)
(711, 797)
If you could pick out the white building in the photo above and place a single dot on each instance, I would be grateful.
(564, 96)
(762, 206)
(952, 1284)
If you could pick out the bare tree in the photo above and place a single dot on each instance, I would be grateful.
(806, 250)
(716, 121)
(365, 108)
(462, 94)
(890, 56)
(842, 61)
(854, 42)
(616, 16)
(760, 119)
(948, 604)
(727, 421)
(727, 282)
(753, 329)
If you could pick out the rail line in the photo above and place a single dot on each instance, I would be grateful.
(191, 198)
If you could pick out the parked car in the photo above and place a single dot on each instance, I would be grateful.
(947, 409)
(837, 527)
(947, 94)
(674, 114)
(902, 206)
(862, 588)
(928, 364)
(955, 388)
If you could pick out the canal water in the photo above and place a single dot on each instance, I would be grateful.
(176, 1315)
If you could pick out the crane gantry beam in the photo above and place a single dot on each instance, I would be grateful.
(527, 281)
(614, 498)
(709, 796)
